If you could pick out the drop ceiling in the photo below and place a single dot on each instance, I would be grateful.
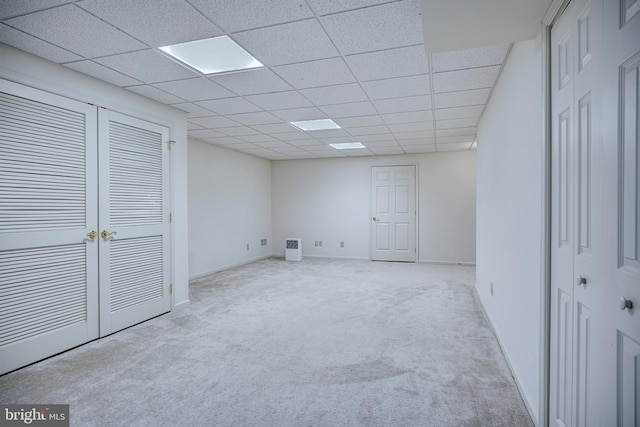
(361, 63)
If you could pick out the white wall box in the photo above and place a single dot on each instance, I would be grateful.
(293, 250)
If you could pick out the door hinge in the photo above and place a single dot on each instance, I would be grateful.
(170, 217)
(170, 288)
(170, 144)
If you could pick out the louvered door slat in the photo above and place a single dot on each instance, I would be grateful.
(135, 160)
(40, 145)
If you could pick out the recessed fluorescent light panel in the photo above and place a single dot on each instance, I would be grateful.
(347, 146)
(214, 55)
(316, 124)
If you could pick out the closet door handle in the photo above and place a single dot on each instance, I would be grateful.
(105, 234)
(92, 235)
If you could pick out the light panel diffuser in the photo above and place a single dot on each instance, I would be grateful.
(321, 124)
(214, 55)
(347, 146)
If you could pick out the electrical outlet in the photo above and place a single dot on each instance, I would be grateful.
(342, 244)
(247, 246)
(320, 243)
(491, 288)
(316, 243)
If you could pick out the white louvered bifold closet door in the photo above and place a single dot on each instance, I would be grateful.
(48, 200)
(134, 221)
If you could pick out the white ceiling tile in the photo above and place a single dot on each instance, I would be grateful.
(33, 45)
(328, 133)
(298, 114)
(382, 144)
(238, 131)
(229, 105)
(400, 62)
(324, 72)
(214, 122)
(193, 110)
(81, 31)
(273, 144)
(288, 43)
(474, 78)
(157, 23)
(376, 28)
(205, 133)
(454, 147)
(459, 112)
(303, 142)
(376, 138)
(290, 136)
(408, 117)
(224, 140)
(279, 100)
(416, 141)
(452, 139)
(233, 16)
(347, 122)
(417, 149)
(324, 7)
(462, 98)
(456, 132)
(103, 73)
(155, 93)
(338, 139)
(257, 138)
(290, 150)
(358, 152)
(386, 150)
(401, 105)
(335, 94)
(352, 109)
(410, 127)
(369, 130)
(147, 66)
(276, 156)
(423, 134)
(277, 128)
(251, 82)
(14, 8)
(456, 123)
(469, 58)
(197, 89)
(250, 119)
(397, 87)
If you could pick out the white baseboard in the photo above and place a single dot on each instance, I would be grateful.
(533, 412)
(226, 267)
(182, 304)
(465, 263)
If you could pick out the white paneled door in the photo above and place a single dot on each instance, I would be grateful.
(393, 213)
(84, 223)
(595, 261)
(134, 221)
(48, 225)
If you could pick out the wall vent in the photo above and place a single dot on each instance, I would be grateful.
(263, 242)
(293, 251)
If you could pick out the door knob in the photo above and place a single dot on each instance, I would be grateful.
(105, 234)
(375, 219)
(625, 304)
(92, 234)
(582, 280)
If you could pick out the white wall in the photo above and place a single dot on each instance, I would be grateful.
(29, 70)
(509, 213)
(329, 200)
(229, 207)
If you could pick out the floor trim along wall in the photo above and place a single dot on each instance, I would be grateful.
(533, 412)
(226, 267)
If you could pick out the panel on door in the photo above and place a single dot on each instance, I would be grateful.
(134, 221)
(48, 245)
(393, 209)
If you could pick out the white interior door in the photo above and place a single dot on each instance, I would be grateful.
(576, 284)
(48, 254)
(134, 221)
(621, 192)
(393, 213)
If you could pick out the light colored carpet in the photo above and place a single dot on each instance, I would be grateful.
(276, 343)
